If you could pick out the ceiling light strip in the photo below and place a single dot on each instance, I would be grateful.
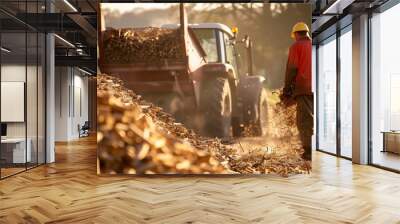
(337, 7)
(326, 11)
(84, 71)
(5, 50)
(65, 41)
(70, 5)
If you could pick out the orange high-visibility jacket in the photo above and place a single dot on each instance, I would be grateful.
(300, 60)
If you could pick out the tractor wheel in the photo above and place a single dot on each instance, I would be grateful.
(216, 107)
(261, 124)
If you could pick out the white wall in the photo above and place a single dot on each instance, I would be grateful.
(80, 110)
(62, 82)
(71, 103)
(33, 127)
(16, 73)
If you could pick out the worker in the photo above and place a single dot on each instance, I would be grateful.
(298, 84)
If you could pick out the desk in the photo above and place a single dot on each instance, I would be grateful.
(16, 148)
(391, 141)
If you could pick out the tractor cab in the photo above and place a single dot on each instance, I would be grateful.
(219, 43)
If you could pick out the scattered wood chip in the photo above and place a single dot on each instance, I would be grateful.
(137, 137)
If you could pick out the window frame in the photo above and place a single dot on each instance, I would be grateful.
(380, 9)
(333, 37)
(234, 52)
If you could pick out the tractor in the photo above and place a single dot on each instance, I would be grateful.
(209, 89)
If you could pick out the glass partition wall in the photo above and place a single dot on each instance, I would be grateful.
(13, 85)
(334, 94)
(22, 98)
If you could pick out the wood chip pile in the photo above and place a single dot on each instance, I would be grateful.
(137, 137)
(136, 45)
(266, 160)
(130, 142)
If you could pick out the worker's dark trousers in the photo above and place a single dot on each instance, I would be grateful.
(305, 111)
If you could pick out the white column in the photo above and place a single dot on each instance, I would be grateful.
(360, 90)
(50, 98)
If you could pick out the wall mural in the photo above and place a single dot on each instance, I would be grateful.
(204, 89)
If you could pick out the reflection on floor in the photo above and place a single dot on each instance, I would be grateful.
(69, 191)
(10, 169)
(387, 159)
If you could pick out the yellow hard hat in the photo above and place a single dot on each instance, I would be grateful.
(235, 30)
(300, 27)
